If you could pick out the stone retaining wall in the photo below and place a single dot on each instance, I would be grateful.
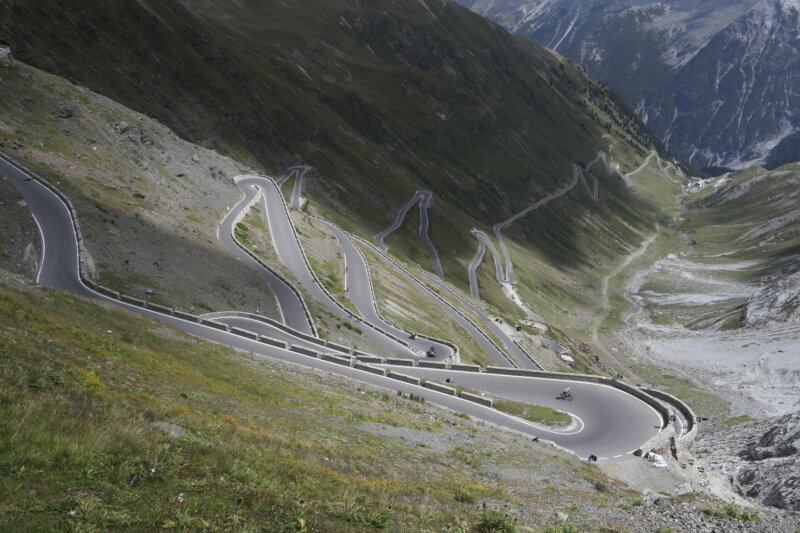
(371, 359)
(684, 409)
(400, 362)
(303, 351)
(475, 398)
(272, 342)
(215, 325)
(403, 377)
(244, 333)
(440, 388)
(465, 368)
(431, 364)
(369, 368)
(339, 360)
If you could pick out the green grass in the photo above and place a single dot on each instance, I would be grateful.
(733, 512)
(533, 413)
(81, 388)
(702, 402)
(408, 307)
(736, 420)
(325, 256)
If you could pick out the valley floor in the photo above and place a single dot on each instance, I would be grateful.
(714, 310)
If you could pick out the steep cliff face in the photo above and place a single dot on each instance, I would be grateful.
(717, 80)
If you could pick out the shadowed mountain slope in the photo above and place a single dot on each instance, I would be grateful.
(382, 100)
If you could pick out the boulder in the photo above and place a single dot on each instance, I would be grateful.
(5, 56)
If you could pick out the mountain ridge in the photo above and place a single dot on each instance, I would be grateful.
(713, 79)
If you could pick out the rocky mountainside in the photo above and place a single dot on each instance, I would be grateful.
(761, 458)
(716, 80)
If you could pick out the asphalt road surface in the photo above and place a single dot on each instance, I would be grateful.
(360, 293)
(626, 421)
(292, 256)
(611, 422)
(519, 355)
(289, 302)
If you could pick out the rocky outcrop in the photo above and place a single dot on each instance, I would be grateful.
(5, 56)
(779, 302)
(760, 458)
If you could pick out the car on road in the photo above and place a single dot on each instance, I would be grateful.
(431, 352)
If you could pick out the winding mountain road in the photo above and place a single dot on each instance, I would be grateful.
(298, 172)
(484, 243)
(487, 344)
(292, 256)
(627, 177)
(290, 302)
(424, 199)
(522, 358)
(360, 292)
(611, 424)
(577, 175)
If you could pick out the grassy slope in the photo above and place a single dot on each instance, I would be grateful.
(408, 307)
(717, 226)
(266, 446)
(382, 100)
(17, 233)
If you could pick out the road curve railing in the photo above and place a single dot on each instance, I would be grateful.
(264, 265)
(359, 361)
(688, 415)
(322, 287)
(374, 300)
